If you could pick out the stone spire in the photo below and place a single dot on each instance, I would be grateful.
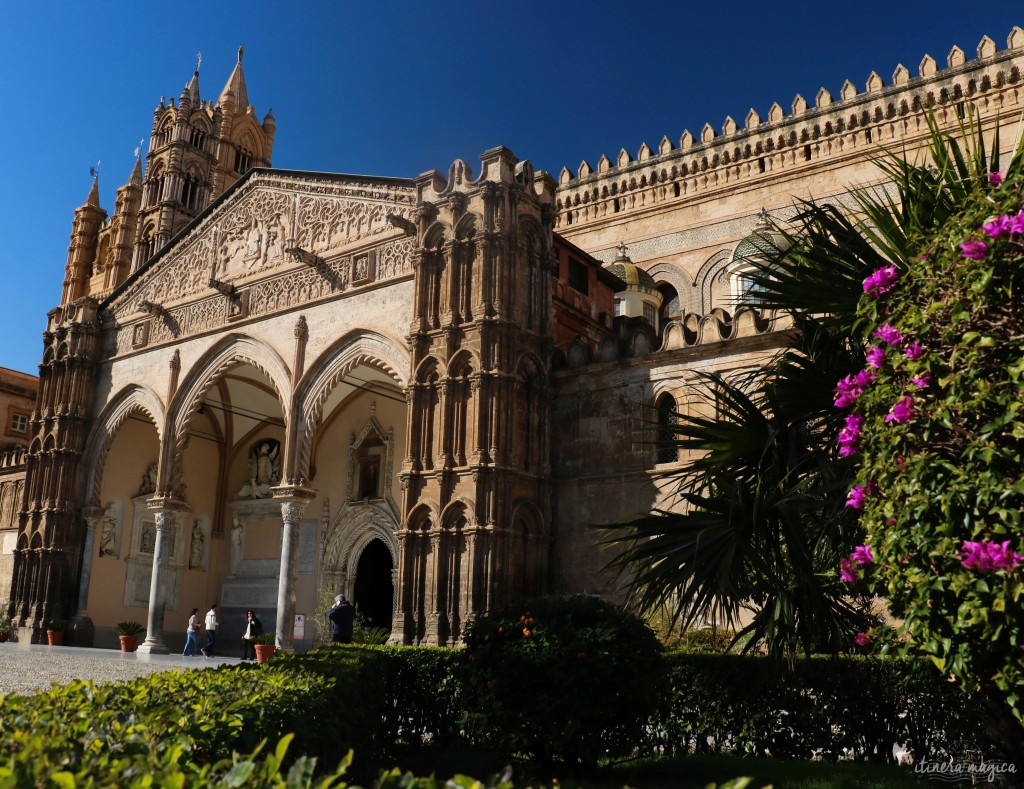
(234, 88)
(135, 179)
(94, 193)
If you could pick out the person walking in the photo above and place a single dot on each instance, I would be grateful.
(211, 630)
(253, 628)
(191, 645)
(342, 616)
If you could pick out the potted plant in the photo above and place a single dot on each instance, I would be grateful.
(265, 645)
(54, 632)
(128, 633)
(5, 628)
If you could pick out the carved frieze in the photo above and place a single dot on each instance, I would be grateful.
(252, 230)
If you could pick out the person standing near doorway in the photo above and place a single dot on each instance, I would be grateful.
(211, 630)
(342, 616)
(253, 628)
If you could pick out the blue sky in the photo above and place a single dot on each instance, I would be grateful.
(398, 88)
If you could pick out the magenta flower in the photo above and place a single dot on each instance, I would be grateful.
(989, 557)
(862, 639)
(862, 554)
(902, 412)
(855, 498)
(849, 436)
(975, 250)
(882, 280)
(921, 381)
(995, 178)
(1017, 223)
(888, 334)
(913, 351)
(847, 571)
(864, 378)
(1000, 226)
(876, 357)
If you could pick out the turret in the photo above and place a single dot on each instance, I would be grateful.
(82, 250)
(123, 229)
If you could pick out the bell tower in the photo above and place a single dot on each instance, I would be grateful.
(197, 149)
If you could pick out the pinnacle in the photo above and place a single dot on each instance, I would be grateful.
(94, 193)
(234, 89)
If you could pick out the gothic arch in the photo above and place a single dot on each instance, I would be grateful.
(680, 281)
(131, 400)
(355, 348)
(354, 528)
(233, 349)
(712, 270)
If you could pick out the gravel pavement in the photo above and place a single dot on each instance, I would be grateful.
(26, 668)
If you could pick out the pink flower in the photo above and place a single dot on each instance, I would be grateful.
(902, 412)
(876, 356)
(995, 178)
(913, 351)
(850, 388)
(847, 571)
(888, 334)
(1000, 226)
(855, 498)
(975, 250)
(989, 557)
(921, 381)
(1017, 223)
(862, 555)
(862, 639)
(864, 378)
(849, 436)
(882, 280)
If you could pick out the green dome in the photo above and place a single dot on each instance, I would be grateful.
(759, 244)
(631, 275)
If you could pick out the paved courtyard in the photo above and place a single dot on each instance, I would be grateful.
(26, 668)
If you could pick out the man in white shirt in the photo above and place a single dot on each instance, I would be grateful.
(211, 630)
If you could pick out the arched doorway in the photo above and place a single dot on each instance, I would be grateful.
(374, 592)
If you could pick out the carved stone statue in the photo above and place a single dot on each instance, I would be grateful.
(264, 470)
(108, 531)
(236, 544)
(195, 554)
(149, 479)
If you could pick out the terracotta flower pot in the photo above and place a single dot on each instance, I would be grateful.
(54, 637)
(129, 643)
(263, 652)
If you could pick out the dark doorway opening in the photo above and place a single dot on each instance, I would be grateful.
(374, 591)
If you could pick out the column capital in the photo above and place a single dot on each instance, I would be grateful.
(167, 504)
(296, 493)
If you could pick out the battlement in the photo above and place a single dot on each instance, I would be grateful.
(851, 125)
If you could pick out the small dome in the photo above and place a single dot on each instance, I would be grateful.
(626, 270)
(631, 275)
(762, 242)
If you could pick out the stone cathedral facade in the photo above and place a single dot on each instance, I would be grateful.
(263, 387)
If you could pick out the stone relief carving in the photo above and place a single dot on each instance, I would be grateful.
(281, 292)
(149, 479)
(264, 470)
(251, 232)
(197, 546)
(110, 530)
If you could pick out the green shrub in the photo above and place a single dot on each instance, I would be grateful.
(570, 679)
(822, 707)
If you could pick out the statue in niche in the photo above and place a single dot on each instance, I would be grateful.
(236, 544)
(148, 484)
(369, 477)
(147, 542)
(108, 531)
(195, 554)
(264, 470)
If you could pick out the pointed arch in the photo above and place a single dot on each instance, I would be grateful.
(230, 351)
(358, 347)
(133, 399)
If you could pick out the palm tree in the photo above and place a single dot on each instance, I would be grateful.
(766, 523)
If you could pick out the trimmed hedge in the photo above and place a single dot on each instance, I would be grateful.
(821, 707)
(183, 728)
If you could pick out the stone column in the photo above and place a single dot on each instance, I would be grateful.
(294, 500)
(83, 631)
(166, 512)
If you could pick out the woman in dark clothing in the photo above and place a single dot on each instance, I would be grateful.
(252, 629)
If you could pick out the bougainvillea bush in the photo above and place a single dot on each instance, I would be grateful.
(570, 679)
(936, 419)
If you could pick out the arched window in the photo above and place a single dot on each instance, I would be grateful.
(243, 160)
(668, 417)
(190, 191)
(747, 285)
